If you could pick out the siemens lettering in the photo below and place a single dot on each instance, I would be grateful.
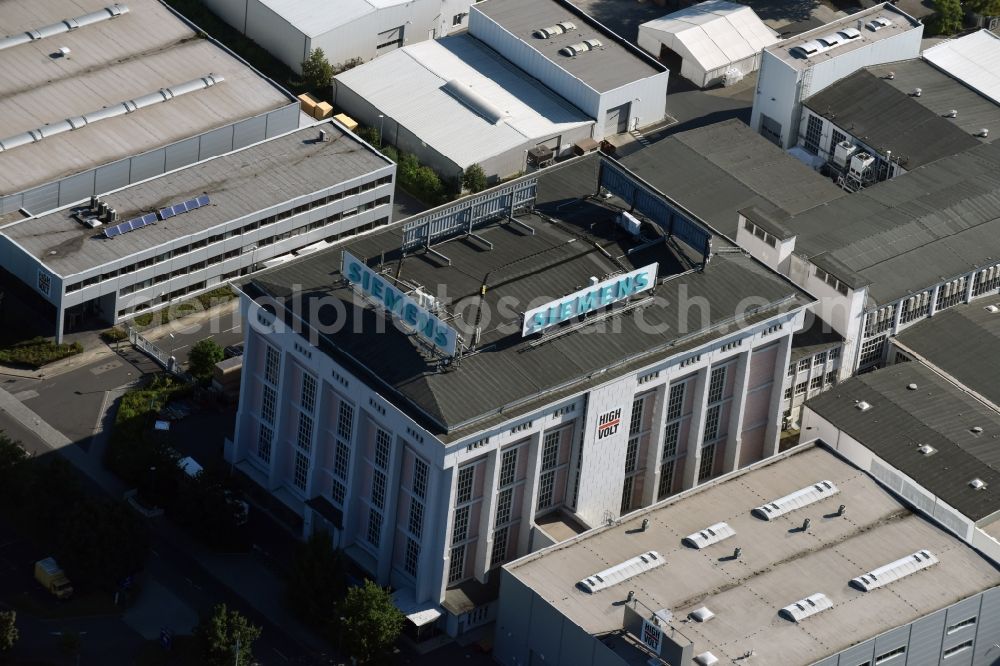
(589, 299)
(403, 308)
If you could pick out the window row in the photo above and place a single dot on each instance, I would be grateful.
(759, 233)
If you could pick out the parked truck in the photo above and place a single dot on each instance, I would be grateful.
(53, 578)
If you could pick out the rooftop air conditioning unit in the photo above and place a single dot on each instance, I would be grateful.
(842, 153)
(860, 163)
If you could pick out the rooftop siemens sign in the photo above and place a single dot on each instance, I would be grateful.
(403, 309)
(587, 300)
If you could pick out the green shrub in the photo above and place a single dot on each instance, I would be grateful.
(37, 352)
(474, 178)
(114, 334)
(317, 72)
(391, 153)
(369, 134)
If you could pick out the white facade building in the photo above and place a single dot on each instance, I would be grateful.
(345, 29)
(710, 43)
(429, 471)
(796, 68)
(198, 227)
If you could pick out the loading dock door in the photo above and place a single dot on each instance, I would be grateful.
(616, 119)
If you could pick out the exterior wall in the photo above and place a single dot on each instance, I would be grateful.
(773, 252)
(803, 375)
(781, 88)
(133, 169)
(647, 100)
(276, 35)
(826, 144)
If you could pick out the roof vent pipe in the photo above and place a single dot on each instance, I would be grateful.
(953, 113)
(917, 92)
(983, 133)
(891, 76)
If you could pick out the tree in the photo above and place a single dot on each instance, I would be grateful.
(12, 469)
(223, 632)
(949, 16)
(101, 541)
(317, 72)
(370, 622)
(983, 7)
(474, 178)
(203, 357)
(316, 581)
(8, 630)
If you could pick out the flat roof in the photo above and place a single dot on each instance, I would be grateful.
(576, 238)
(408, 85)
(721, 168)
(890, 120)
(818, 336)
(779, 564)
(789, 50)
(238, 184)
(906, 234)
(963, 341)
(937, 413)
(973, 59)
(613, 65)
(112, 61)
(716, 32)
(316, 17)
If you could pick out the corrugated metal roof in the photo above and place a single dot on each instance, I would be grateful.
(406, 85)
(715, 33)
(963, 341)
(906, 234)
(974, 59)
(936, 413)
(716, 170)
(888, 119)
(316, 17)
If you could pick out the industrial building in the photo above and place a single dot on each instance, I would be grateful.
(503, 372)
(973, 59)
(884, 120)
(96, 96)
(496, 113)
(710, 43)
(925, 438)
(717, 170)
(800, 559)
(147, 244)
(903, 250)
(797, 68)
(347, 29)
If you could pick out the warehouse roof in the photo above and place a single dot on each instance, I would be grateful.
(111, 61)
(887, 119)
(936, 413)
(779, 565)
(818, 336)
(238, 184)
(316, 17)
(716, 170)
(715, 33)
(974, 59)
(576, 237)
(615, 64)
(411, 86)
(791, 50)
(904, 235)
(963, 341)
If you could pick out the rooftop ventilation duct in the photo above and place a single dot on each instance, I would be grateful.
(464, 93)
(796, 500)
(800, 610)
(113, 111)
(810, 48)
(557, 29)
(706, 659)
(829, 41)
(862, 406)
(878, 23)
(983, 133)
(711, 534)
(926, 450)
(621, 572)
(953, 113)
(63, 26)
(701, 614)
(582, 47)
(977, 484)
(917, 92)
(849, 33)
(894, 571)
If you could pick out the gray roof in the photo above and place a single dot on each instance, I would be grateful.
(819, 336)
(112, 61)
(888, 119)
(937, 413)
(508, 372)
(716, 170)
(901, 22)
(906, 234)
(778, 566)
(241, 183)
(610, 67)
(963, 341)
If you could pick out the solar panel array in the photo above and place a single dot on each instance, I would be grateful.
(151, 218)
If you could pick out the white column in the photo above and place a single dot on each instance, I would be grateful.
(655, 448)
(438, 523)
(388, 537)
(692, 461)
(60, 316)
(933, 305)
(772, 434)
(970, 280)
(898, 317)
(737, 407)
(530, 497)
(487, 513)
